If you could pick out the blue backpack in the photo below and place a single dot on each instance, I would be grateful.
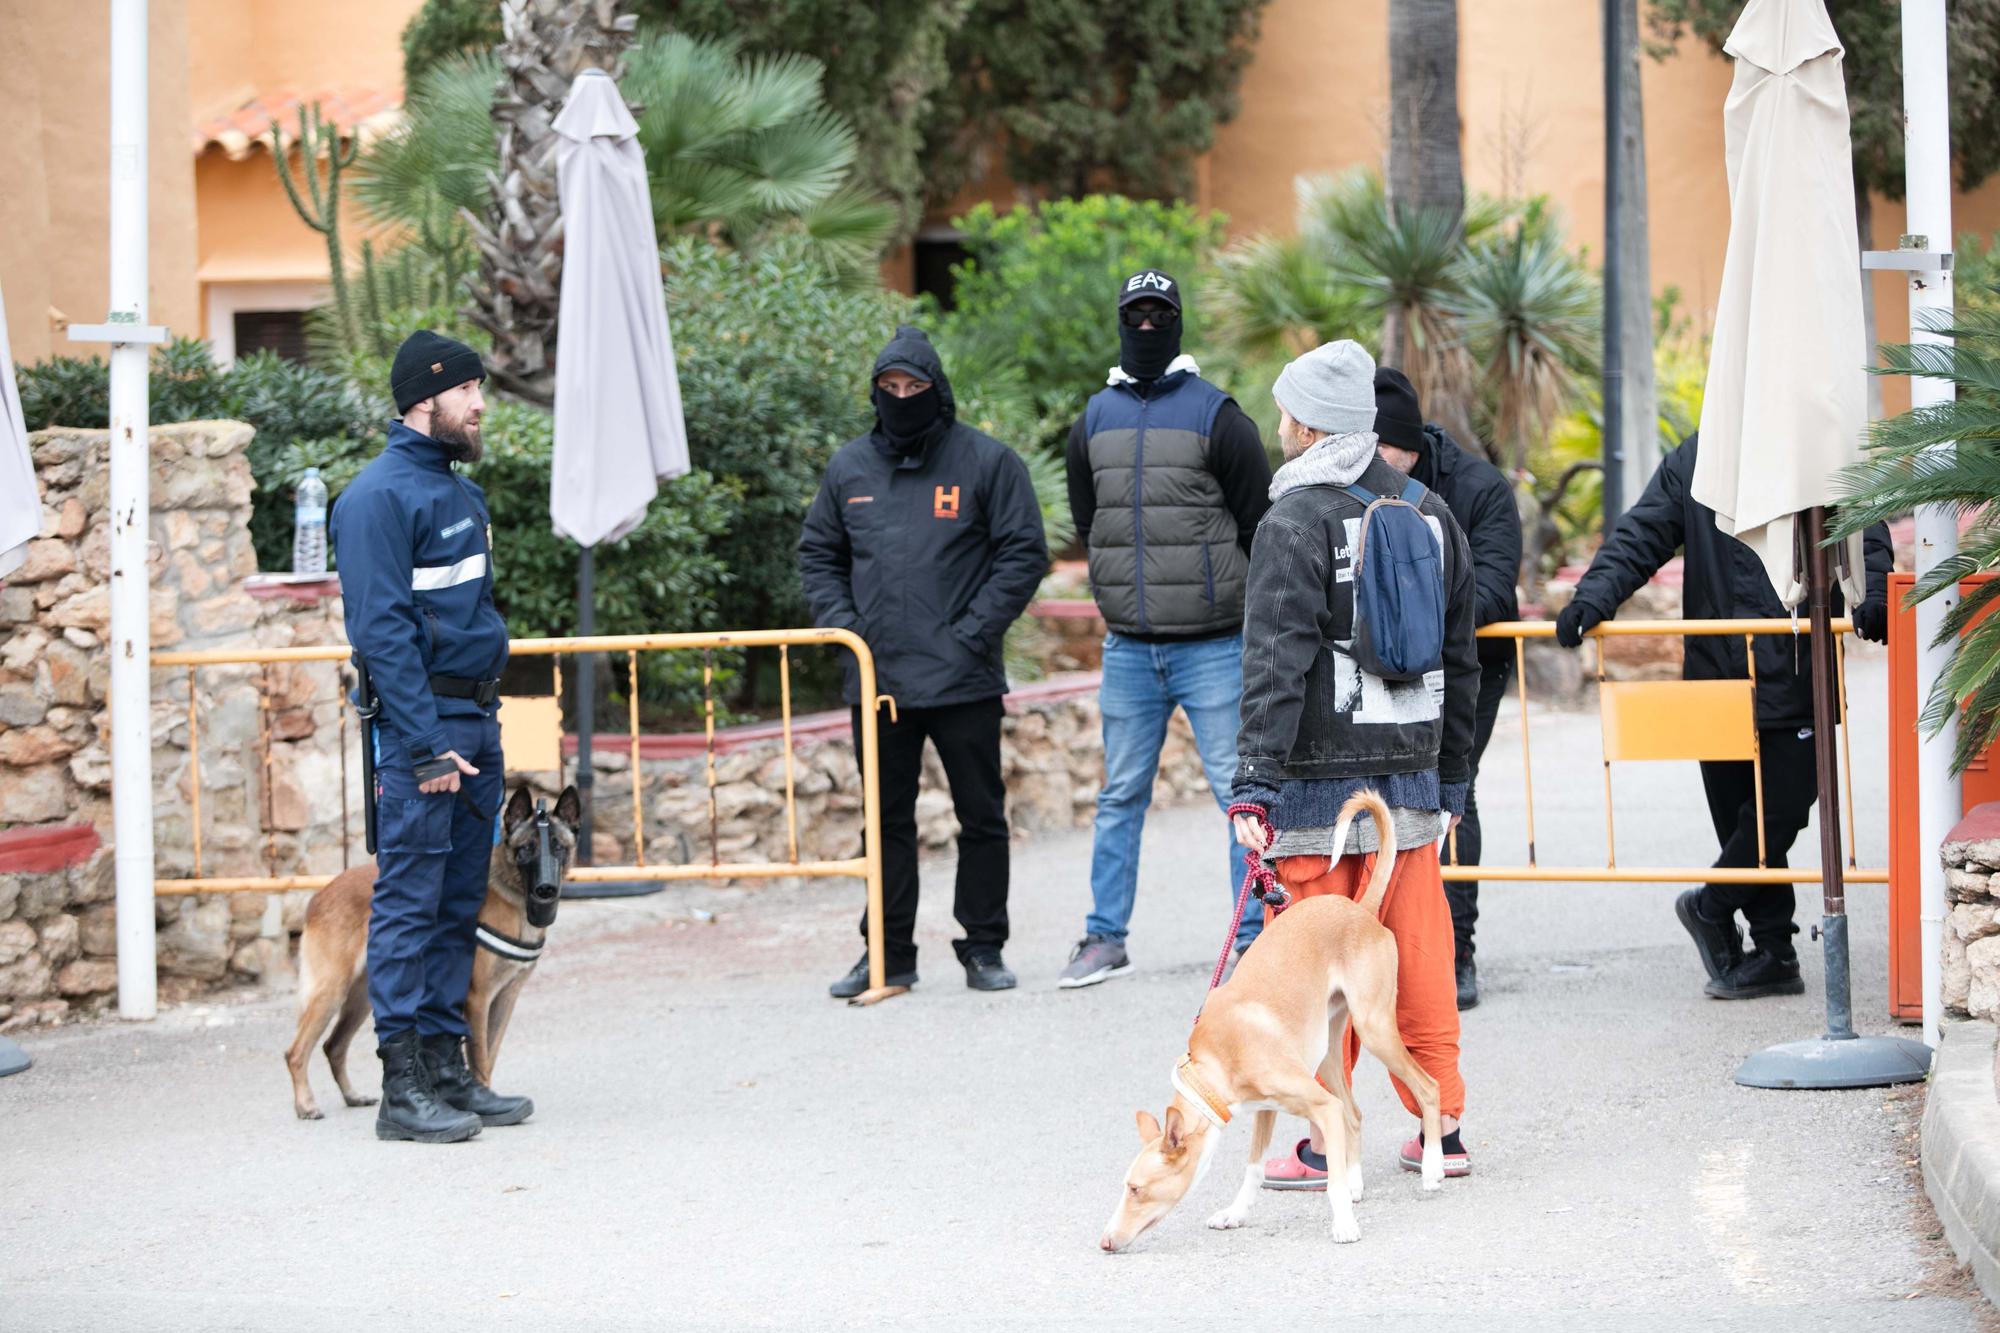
(1398, 588)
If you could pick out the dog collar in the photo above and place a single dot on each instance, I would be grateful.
(493, 941)
(1188, 1083)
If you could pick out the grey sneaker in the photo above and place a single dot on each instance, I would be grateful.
(1095, 959)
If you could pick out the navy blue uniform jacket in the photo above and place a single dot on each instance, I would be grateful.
(416, 575)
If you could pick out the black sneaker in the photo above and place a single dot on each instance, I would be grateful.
(1759, 975)
(1468, 982)
(1720, 944)
(856, 980)
(985, 971)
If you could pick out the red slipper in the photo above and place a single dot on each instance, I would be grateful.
(1291, 1172)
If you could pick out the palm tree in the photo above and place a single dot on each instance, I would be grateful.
(737, 149)
(1425, 169)
(544, 45)
(1528, 313)
(1912, 461)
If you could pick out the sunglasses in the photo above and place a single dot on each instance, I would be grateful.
(1160, 317)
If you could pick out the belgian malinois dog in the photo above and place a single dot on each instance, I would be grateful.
(523, 884)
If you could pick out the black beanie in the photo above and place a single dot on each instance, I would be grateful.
(1399, 422)
(429, 363)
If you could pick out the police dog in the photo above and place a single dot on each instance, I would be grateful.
(522, 885)
(1270, 1038)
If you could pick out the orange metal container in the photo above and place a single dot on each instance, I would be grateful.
(1981, 783)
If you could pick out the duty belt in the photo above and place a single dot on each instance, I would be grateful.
(482, 692)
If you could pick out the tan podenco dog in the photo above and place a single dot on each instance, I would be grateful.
(1270, 1038)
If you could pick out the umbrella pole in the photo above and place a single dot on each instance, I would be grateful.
(586, 728)
(586, 695)
(1840, 1059)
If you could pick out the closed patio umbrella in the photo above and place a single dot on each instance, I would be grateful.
(20, 497)
(618, 426)
(1784, 412)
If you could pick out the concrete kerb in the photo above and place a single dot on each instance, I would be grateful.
(1961, 1149)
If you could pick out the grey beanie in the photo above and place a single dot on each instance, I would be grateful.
(1331, 388)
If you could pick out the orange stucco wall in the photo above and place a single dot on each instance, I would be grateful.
(1314, 99)
(55, 202)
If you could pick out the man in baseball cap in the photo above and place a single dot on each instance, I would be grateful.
(1167, 479)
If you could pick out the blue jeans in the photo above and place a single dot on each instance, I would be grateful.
(1143, 683)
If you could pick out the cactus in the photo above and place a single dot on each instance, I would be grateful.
(322, 157)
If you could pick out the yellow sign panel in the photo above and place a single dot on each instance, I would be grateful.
(531, 733)
(1679, 719)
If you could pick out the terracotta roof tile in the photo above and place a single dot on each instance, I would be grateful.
(369, 113)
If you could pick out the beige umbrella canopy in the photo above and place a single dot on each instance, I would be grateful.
(1786, 402)
(20, 498)
(618, 426)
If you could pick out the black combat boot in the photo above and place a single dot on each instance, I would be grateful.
(411, 1110)
(444, 1061)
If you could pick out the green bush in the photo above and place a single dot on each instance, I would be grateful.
(305, 416)
(1040, 290)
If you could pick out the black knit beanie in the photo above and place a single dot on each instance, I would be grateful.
(1399, 422)
(429, 363)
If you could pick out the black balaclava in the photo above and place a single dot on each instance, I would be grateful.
(909, 423)
(1145, 354)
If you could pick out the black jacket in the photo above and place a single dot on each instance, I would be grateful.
(1722, 579)
(929, 557)
(1483, 503)
(1308, 711)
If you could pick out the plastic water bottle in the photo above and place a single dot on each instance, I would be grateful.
(309, 525)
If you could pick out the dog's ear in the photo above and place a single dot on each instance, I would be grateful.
(1149, 1128)
(519, 807)
(569, 807)
(1175, 1132)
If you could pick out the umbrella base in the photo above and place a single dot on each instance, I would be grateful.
(1830, 1062)
(13, 1059)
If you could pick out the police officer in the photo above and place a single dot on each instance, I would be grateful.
(413, 541)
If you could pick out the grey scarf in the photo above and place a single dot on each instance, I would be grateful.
(1335, 460)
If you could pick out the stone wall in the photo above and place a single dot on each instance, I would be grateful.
(1052, 758)
(1972, 915)
(55, 766)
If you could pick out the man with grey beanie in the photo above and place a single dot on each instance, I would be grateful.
(1318, 727)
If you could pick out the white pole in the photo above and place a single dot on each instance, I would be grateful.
(1927, 167)
(131, 523)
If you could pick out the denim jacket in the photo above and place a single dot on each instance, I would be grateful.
(1309, 712)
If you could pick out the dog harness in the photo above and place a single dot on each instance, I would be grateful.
(494, 942)
(1188, 1083)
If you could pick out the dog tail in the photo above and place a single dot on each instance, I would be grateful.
(1369, 801)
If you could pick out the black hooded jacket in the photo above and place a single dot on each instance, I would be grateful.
(1480, 499)
(1721, 579)
(928, 555)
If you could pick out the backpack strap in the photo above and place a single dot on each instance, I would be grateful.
(1413, 493)
(1361, 493)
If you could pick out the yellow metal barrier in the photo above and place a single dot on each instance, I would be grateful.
(867, 866)
(1661, 720)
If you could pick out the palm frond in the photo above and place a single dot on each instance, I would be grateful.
(794, 165)
(775, 88)
(437, 161)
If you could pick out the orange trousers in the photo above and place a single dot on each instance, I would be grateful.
(1417, 914)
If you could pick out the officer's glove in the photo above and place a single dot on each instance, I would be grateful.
(1574, 621)
(1871, 620)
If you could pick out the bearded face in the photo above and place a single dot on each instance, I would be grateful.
(455, 422)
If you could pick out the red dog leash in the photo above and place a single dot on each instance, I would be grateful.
(1258, 876)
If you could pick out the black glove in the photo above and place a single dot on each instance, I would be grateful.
(1871, 620)
(1574, 621)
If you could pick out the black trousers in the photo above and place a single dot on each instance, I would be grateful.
(967, 737)
(1791, 785)
(1464, 897)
